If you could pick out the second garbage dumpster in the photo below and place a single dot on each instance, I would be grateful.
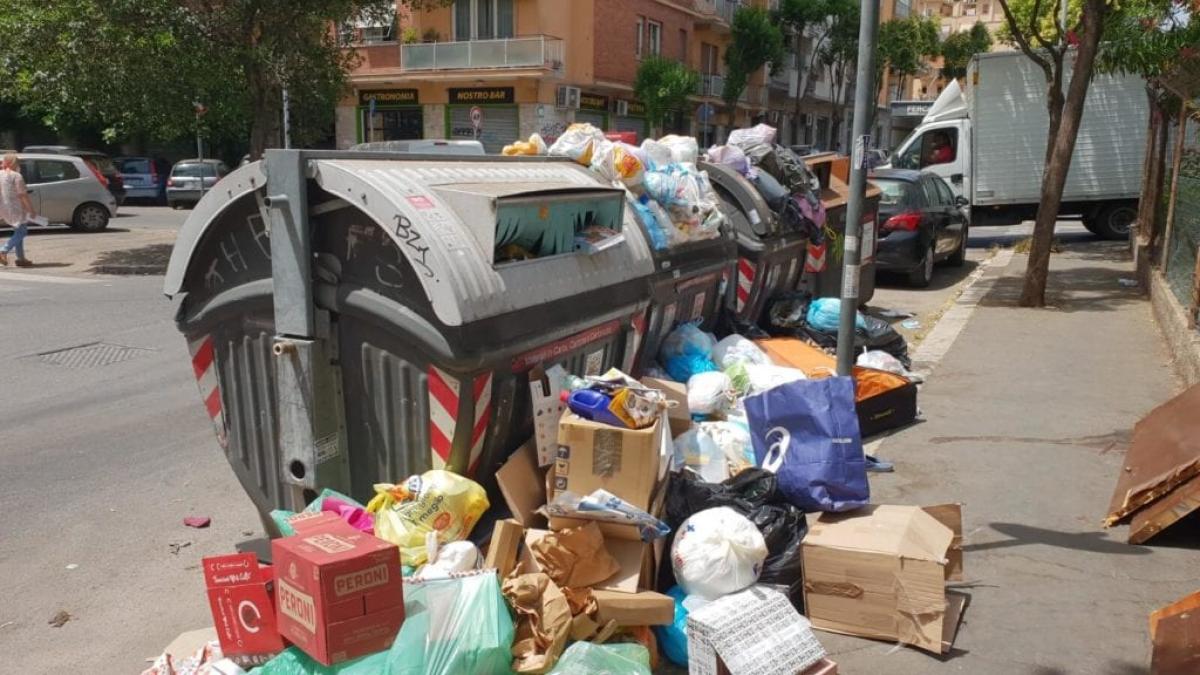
(360, 317)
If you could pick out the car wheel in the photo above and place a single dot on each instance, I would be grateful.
(959, 256)
(923, 275)
(1114, 221)
(90, 217)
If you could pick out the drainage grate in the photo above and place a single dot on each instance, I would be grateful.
(91, 355)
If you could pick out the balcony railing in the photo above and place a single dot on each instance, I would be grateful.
(719, 9)
(536, 51)
(711, 85)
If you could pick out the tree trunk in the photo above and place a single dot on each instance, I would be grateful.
(1149, 197)
(1061, 146)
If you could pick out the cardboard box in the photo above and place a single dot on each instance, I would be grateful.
(755, 631)
(679, 417)
(239, 596)
(339, 592)
(880, 572)
(626, 462)
(644, 608)
(636, 563)
(502, 550)
(523, 487)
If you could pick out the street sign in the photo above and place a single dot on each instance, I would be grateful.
(705, 112)
(371, 109)
(476, 117)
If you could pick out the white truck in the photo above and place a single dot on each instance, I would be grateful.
(989, 142)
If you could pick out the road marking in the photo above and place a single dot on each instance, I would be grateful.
(43, 278)
(939, 340)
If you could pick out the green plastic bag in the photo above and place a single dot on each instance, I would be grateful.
(453, 626)
(281, 516)
(292, 661)
(589, 658)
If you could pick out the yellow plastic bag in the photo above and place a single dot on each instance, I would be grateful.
(436, 501)
(534, 146)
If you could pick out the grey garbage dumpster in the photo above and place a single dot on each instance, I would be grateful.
(769, 259)
(360, 317)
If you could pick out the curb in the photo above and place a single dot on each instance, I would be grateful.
(129, 270)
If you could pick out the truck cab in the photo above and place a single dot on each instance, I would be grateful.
(941, 144)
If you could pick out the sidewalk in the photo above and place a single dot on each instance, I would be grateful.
(1028, 412)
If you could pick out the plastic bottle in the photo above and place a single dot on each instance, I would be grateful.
(592, 405)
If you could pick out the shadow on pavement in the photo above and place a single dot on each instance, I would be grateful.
(1023, 535)
(51, 231)
(980, 238)
(150, 259)
(943, 277)
(1079, 289)
(48, 265)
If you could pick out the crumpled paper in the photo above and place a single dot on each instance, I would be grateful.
(575, 557)
(543, 621)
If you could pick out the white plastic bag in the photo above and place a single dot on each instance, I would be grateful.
(716, 552)
(881, 360)
(684, 149)
(448, 559)
(756, 141)
(579, 142)
(709, 393)
(768, 376)
(736, 349)
(658, 156)
(715, 450)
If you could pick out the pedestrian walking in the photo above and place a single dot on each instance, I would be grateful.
(16, 209)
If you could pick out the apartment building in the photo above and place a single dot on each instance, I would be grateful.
(498, 70)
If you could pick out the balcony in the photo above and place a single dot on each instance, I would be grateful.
(537, 51)
(718, 11)
(710, 85)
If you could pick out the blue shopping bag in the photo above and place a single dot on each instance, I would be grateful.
(806, 432)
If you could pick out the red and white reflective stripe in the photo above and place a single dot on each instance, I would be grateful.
(204, 366)
(814, 259)
(745, 277)
(638, 323)
(443, 415)
(482, 393)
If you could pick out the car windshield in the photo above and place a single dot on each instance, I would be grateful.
(193, 170)
(135, 165)
(894, 192)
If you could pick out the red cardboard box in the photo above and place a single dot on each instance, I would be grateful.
(339, 593)
(239, 596)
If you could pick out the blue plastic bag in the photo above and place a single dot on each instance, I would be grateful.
(673, 637)
(824, 314)
(687, 351)
(806, 432)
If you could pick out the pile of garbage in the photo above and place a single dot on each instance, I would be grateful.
(784, 182)
(672, 198)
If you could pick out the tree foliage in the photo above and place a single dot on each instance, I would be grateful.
(756, 41)
(817, 23)
(904, 45)
(958, 48)
(663, 85)
(136, 67)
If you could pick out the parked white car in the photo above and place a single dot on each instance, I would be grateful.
(64, 190)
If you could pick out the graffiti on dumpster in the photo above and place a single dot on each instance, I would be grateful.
(407, 233)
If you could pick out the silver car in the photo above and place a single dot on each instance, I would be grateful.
(191, 178)
(64, 189)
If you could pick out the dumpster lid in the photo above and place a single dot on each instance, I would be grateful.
(425, 206)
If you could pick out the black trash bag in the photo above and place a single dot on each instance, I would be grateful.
(880, 334)
(787, 167)
(728, 323)
(786, 313)
(755, 494)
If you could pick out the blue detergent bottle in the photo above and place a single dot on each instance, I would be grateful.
(592, 405)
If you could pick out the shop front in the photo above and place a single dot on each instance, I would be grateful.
(905, 116)
(389, 115)
(487, 114)
(629, 116)
(593, 109)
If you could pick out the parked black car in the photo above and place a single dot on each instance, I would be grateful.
(100, 164)
(921, 223)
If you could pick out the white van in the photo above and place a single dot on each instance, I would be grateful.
(989, 142)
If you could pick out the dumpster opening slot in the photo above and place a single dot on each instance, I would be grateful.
(514, 223)
(297, 469)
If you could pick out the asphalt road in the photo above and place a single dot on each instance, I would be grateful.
(100, 462)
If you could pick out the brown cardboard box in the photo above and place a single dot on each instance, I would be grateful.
(520, 481)
(502, 550)
(635, 559)
(880, 572)
(679, 416)
(591, 456)
(644, 608)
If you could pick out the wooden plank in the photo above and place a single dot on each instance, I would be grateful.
(1165, 512)
(1175, 162)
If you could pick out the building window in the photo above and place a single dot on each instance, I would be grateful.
(483, 19)
(987, 9)
(641, 28)
(902, 9)
(683, 45)
(709, 58)
(654, 37)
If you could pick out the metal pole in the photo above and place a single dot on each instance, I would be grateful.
(287, 122)
(864, 107)
(199, 144)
